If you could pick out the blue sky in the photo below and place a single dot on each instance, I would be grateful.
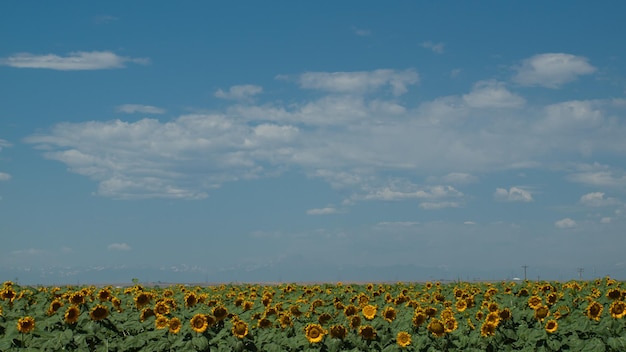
(302, 141)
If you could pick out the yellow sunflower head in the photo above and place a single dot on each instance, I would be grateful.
(493, 318)
(324, 318)
(190, 299)
(367, 332)
(174, 325)
(355, 321)
(618, 309)
(285, 321)
(541, 312)
(534, 302)
(77, 298)
(161, 322)
(220, 313)
(436, 327)
(389, 314)
(314, 333)
(104, 294)
(199, 323)
(240, 329)
(461, 305)
(99, 312)
(403, 339)
(488, 329)
(55, 305)
(26, 324)
(146, 313)
(71, 315)
(419, 318)
(594, 310)
(338, 331)
(142, 299)
(552, 326)
(505, 314)
(450, 325)
(350, 310)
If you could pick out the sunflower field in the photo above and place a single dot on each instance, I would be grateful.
(458, 316)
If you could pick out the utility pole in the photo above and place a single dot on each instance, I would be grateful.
(525, 267)
(580, 273)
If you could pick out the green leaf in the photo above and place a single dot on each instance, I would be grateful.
(201, 343)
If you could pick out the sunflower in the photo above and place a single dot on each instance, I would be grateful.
(541, 312)
(146, 313)
(369, 311)
(240, 329)
(355, 321)
(618, 309)
(389, 314)
(317, 303)
(199, 323)
(480, 315)
(142, 299)
(264, 323)
(614, 293)
(419, 318)
(488, 329)
(314, 333)
(54, 306)
(295, 310)
(350, 310)
(104, 294)
(285, 321)
(77, 298)
(493, 318)
(437, 328)
(367, 332)
(72, 314)
(247, 305)
(190, 299)
(324, 318)
(447, 314)
(175, 325)
(99, 312)
(161, 322)
(552, 298)
(338, 331)
(161, 308)
(461, 305)
(450, 325)
(551, 326)
(220, 313)
(430, 311)
(505, 314)
(117, 303)
(534, 302)
(403, 339)
(26, 325)
(594, 310)
(493, 307)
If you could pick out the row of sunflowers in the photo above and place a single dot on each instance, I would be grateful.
(459, 316)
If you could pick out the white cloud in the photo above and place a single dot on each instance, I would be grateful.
(80, 60)
(4, 176)
(398, 223)
(568, 115)
(605, 220)
(395, 191)
(239, 92)
(565, 223)
(136, 108)
(513, 194)
(435, 47)
(597, 199)
(361, 32)
(29, 251)
(469, 223)
(360, 81)
(459, 178)
(552, 70)
(119, 247)
(599, 175)
(492, 94)
(439, 205)
(323, 211)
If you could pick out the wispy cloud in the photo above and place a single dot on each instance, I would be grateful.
(551, 70)
(361, 31)
(513, 194)
(565, 223)
(239, 92)
(137, 108)
(435, 47)
(119, 247)
(4, 176)
(597, 199)
(360, 82)
(79, 60)
(323, 211)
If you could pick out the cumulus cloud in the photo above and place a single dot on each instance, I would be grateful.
(80, 60)
(323, 211)
(435, 47)
(513, 194)
(565, 223)
(552, 70)
(597, 199)
(439, 205)
(360, 81)
(119, 247)
(239, 92)
(492, 94)
(136, 108)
